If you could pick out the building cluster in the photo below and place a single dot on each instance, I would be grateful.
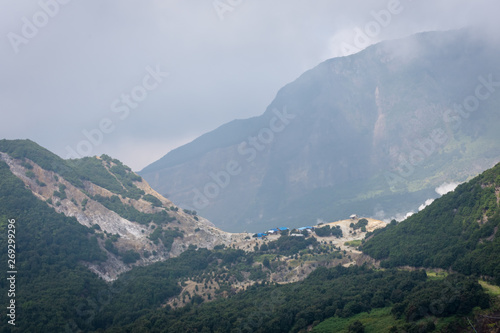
(279, 230)
(299, 233)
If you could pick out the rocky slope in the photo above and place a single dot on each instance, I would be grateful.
(284, 269)
(373, 133)
(127, 236)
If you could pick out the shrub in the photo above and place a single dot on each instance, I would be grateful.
(27, 165)
(356, 327)
(323, 231)
(130, 257)
(360, 224)
(154, 200)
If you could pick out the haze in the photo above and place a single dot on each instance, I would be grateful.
(191, 67)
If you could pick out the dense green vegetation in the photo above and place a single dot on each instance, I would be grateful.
(142, 291)
(456, 294)
(328, 231)
(361, 224)
(22, 149)
(457, 231)
(327, 293)
(50, 282)
(288, 245)
(97, 173)
(154, 200)
(146, 288)
(106, 172)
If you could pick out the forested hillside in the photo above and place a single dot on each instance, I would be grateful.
(57, 293)
(245, 286)
(458, 231)
(337, 293)
(49, 246)
(134, 225)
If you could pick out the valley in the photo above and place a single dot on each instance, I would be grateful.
(363, 199)
(159, 263)
(374, 133)
(327, 251)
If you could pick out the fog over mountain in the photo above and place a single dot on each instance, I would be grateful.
(377, 131)
(60, 77)
(322, 166)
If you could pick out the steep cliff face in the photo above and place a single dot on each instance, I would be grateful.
(375, 132)
(154, 229)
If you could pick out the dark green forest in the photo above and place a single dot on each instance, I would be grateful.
(107, 172)
(49, 246)
(337, 292)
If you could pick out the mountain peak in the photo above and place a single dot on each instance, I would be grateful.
(371, 131)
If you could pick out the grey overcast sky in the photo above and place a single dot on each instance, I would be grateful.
(135, 79)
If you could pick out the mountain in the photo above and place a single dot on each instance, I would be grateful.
(457, 232)
(129, 221)
(455, 239)
(89, 239)
(374, 133)
(90, 247)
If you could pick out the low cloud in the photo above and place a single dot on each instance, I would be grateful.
(441, 190)
(446, 187)
(425, 204)
(381, 215)
(94, 51)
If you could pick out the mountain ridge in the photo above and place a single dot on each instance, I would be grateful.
(307, 272)
(360, 122)
(131, 229)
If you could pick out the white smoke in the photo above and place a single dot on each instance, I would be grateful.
(441, 190)
(406, 216)
(380, 215)
(425, 204)
(446, 187)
